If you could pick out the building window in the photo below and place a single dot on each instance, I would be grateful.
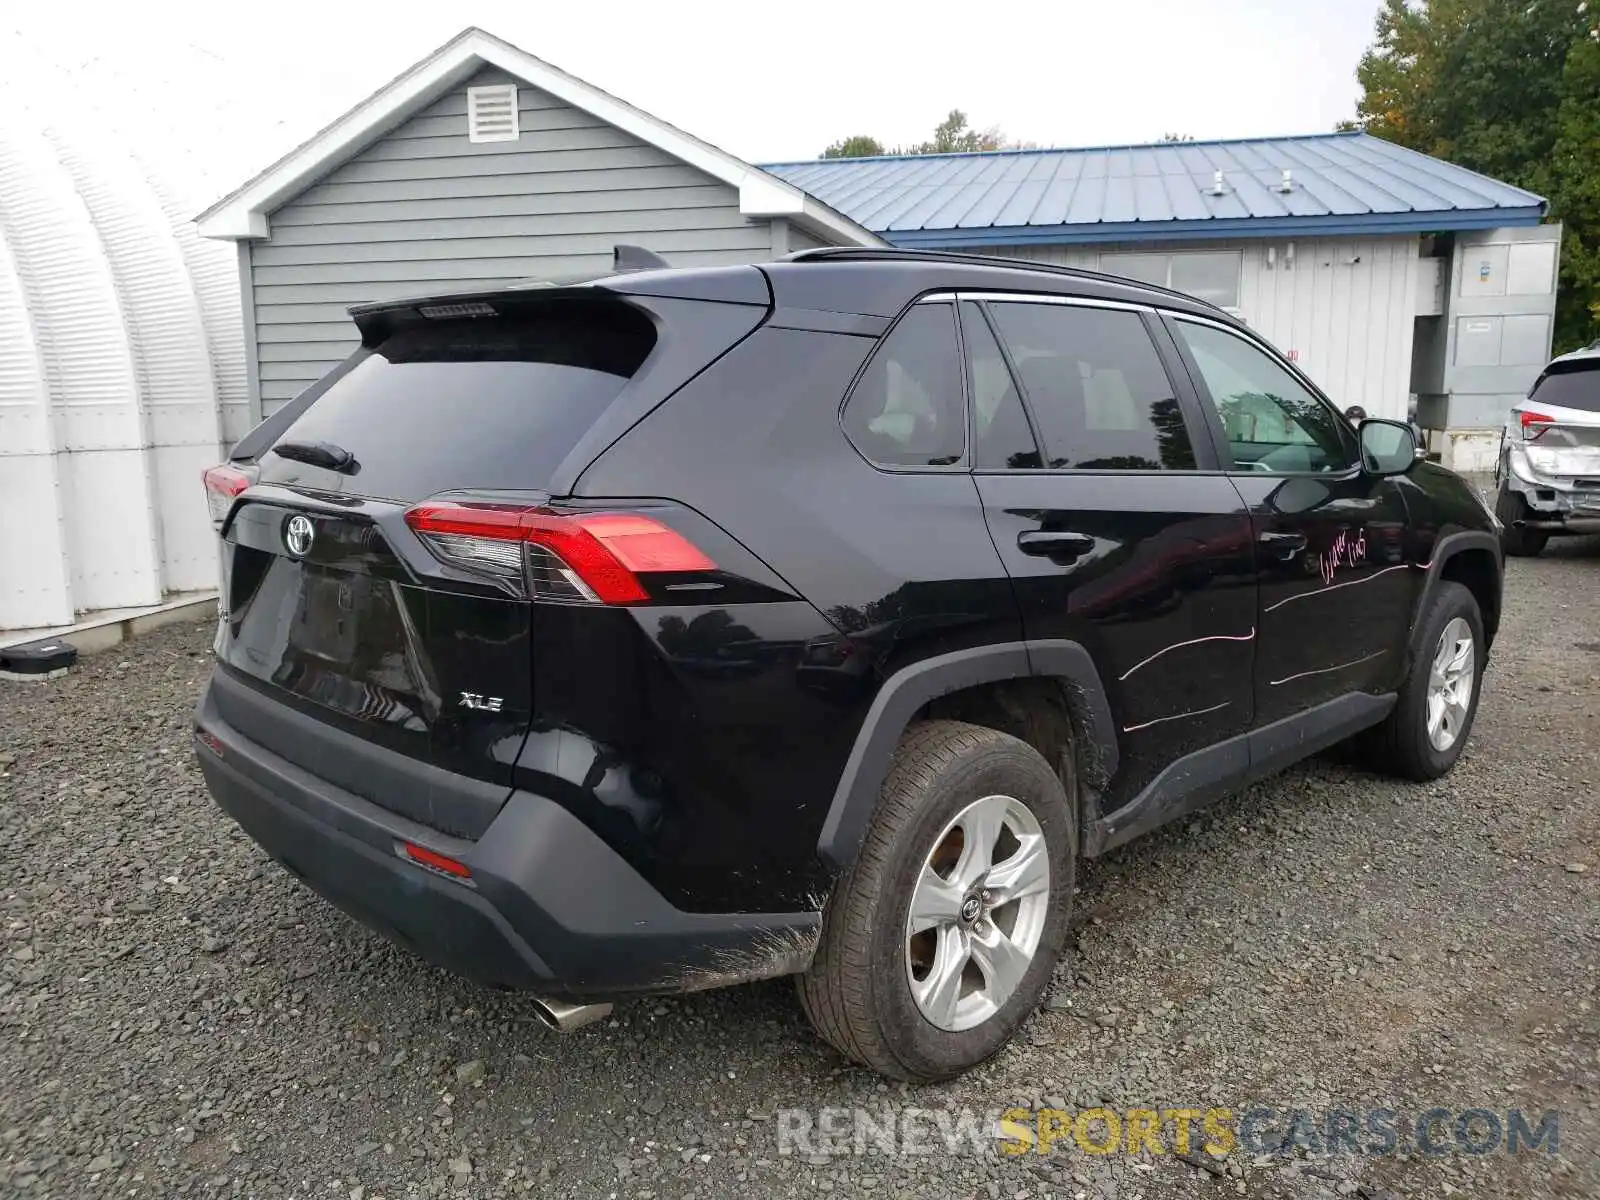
(1210, 275)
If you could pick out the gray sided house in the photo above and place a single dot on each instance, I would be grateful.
(482, 165)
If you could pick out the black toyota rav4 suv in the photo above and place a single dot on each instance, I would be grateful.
(696, 626)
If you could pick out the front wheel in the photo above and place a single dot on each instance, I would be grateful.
(940, 939)
(1424, 735)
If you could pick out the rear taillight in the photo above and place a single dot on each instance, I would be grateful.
(224, 482)
(1533, 424)
(593, 558)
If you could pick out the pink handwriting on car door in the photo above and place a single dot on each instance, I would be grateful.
(1346, 551)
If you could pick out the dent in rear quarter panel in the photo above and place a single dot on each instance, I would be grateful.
(893, 568)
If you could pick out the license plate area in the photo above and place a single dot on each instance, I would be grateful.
(328, 618)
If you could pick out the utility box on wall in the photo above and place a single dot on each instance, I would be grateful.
(1480, 355)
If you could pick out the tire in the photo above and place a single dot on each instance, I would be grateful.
(1517, 542)
(1402, 745)
(858, 992)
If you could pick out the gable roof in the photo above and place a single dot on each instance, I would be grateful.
(245, 213)
(1341, 183)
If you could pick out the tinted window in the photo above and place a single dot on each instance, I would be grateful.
(1001, 437)
(1272, 422)
(1097, 388)
(907, 409)
(1571, 388)
(490, 403)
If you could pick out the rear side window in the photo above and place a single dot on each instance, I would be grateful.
(1096, 387)
(1571, 387)
(907, 409)
(487, 403)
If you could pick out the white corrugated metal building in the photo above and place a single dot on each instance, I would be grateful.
(122, 362)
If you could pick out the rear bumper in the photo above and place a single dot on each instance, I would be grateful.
(549, 906)
(1555, 503)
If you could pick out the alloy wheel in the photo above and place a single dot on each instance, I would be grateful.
(1451, 678)
(977, 912)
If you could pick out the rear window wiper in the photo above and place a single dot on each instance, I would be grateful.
(319, 454)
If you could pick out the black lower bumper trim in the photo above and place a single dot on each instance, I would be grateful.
(549, 906)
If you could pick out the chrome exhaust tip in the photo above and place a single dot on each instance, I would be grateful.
(564, 1017)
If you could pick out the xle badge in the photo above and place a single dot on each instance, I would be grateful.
(481, 702)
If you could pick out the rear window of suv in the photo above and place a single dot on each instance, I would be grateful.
(1575, 385)
(485, 403)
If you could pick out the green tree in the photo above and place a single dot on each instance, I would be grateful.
(859, 146)
(1575, 181)
(1510, 88)
(953, 135)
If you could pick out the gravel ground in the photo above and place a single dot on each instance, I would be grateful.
(179, 1017)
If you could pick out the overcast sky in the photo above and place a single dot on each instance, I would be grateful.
(771, 82)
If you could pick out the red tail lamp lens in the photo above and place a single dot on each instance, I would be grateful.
(1533, 424)
(223, 482)
(606, 551)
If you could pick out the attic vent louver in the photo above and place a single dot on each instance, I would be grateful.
(492, 113)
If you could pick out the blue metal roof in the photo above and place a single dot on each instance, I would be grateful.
(1341, 183)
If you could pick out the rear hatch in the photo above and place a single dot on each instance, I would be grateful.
(410, 647)
(1560, 423)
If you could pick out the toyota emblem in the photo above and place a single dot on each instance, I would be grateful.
(298, 534)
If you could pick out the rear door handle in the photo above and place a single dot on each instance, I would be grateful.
(1283, 545)
(1054, 543)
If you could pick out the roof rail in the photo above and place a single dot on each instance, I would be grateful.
(896, 254)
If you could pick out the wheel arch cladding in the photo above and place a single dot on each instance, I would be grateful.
(1476, 568)
(906, 693)
(1473, 559)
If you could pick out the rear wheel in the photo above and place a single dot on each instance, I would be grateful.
(1516, 541)
(940, 939)
(1424, 735)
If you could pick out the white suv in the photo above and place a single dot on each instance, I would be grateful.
(1549, 468)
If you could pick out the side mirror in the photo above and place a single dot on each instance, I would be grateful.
(1387, 447)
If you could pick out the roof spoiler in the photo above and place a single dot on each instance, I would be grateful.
(636, 258)
(382, 319)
